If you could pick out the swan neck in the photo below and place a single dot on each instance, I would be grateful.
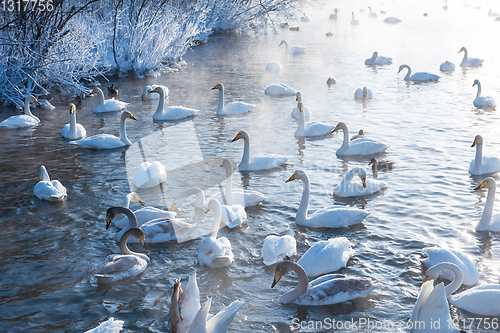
(346, 142)
(478, 160)
(27, 110)
(304, 201)
(72, 124)
(246, 151)
(126, 201)
(216, 225)
(161, 103)
(44, 175)
(485, 221)
(478, 90)
(220, 106)
(123, 245)
(302, 121)
(457, 281)
(101, 96)
(229, 187)
(200, 199)
(465, 58)
(301, 287)
(407, 76)
(123, 131)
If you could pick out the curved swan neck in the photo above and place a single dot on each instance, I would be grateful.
(346, 142)
(123, 130)
(478, 89)
(220, 105)
(200, 197)
(457, 281)
(216, 225)
(100, 94)
(44, 175)
(126, 201)
(286, 44)
(304, 201)
(27, 110)
(123, 244)
(301, 287)
(407, 76)
(161, 103)
(485, 220)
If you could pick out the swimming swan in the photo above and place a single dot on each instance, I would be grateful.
(108, 105)
(148, 93)
(469, 62)
(24, 120)
(360, 135)
(420, 76)
(436, 255)
(306, 110)
(334, 16)
(447, 66)
(329, 217)
(483, 165)
(230, 108)
(361, 146)
(279, 89)
(276, 248)
(489, 221)
(73, 130)
(363, 93)
(215, 252)
(108, 141)
(125, 265)
(49, 190)
(354, 21)
(292, 48)
(380, 165)
(348, 188)
(150, 175)
(392, 20)
(481, 300)
(109, 326)
(313, 128)
(257, 162)
(327, 289)
(482, 101)
(172, 112)
(378, 60)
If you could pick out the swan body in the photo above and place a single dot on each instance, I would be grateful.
(172, 112)
(215, 252)
(327, 289)
(447, 67)
(273, 66)
(49, 190)
(230, 108)
(276, 248)
(482, 165)
(73, 130)
(360, 135)
(125, 265)
(148, 93)
(348, 188)
(108, 105)
(142, 215)
(109, 326)
(279, 89)
(360, 146)
(257, 162)
(24, 120)
(334, 16)
(380, 165)
(392, 20)
(378, 60)
(313, 128)
(481, 300)
(329, 217)
(108, 141)
(150, 175)
(469, 62)
(295, 112)
(330, 81)
(354, 21)
(436, 255)
(420, 76)
(363, 94)
(326, 256)
(482, 101)
(489, 221)
(45, 104)
(292, 48)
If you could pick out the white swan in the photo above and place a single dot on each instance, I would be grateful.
(230, 108)
(273, 66)
(215, 252)
(45, 104)
(481, 300)
(292, 48)
(354, 21)
(329, 217)
(363, 93)
(327, 289)
(73, 130)
(159, 230)
(148, 93)
(326, 256)
(334, 16)
(371, 14)
(295, 112)
(313, 128)
(436, 255)
(360, 146)
(109, 326)
(431, 312)
(348, 188)
(108, 105)
(447, 66)
(125, 265)
(378, 60)
(108, 141)
(276, 248)
(49, 190)
(469, 62)
(150, 174)
(142, 215)
(257, 162)
(392, 20)
(186, 315)
(489, 221)
(279, 89)
(420, 76)
(482, 101)
(24, 120)
(483, 165)
(360, 135)
(172, 112)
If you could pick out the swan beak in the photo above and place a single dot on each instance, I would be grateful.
(292, 177)
(173, 206)
(277, 277)
(207, 211)
(221, 165)
(132, 117)
(108, 221)
(92, 92)
(474, 84)
(140, 202)
(36, 101)
(474, 143)
(143, 242)
(371, 162)
(399, 70)
(426, 279)
(155, 90)
(216, 87)
(483, 184)
(237, 137)
(336, 128)
(363, 180)
(297, 97)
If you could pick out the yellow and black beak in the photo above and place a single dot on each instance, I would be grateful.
(36, 101)
(216, 87)
(426, 279)
(336, 128)
(92, 92)
(237, 137)
(363, 180)
(297, 97)
(140, 202)
(474, 84)
(131, 116)
(482, 185)
(399, 70)
(277, 277)
(155, 90)
(292, 177)
(474, 143)
(207, 211)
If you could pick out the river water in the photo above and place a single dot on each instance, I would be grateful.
(50, 252)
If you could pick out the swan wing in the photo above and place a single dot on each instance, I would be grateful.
(118, 267)
(175, 113)
(221, 321)
(233, 216)
(436, 308)
(279, 89)
(237, 108)
(424, 76)
(334, 217)
(364, 147)
(109, 326)
(100, 141)
(110, 105)
(150, 174)
(19, 121)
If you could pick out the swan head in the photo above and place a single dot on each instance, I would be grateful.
(301, 107)
(433, 272)
(298, 96)
(32, 99)
(72, 108)
(365, 92)
(227, 164)
(373, 161)
(96, 90)
(476, 81)
(361, 174)
(159, 90)
(283, 42)
(297, 174)
(281, 270)
(335, 10)
(126, 114)
(341, 126)
(463, 49)
(218, 86)
(402, 67)
(489, 183)
(241, 135)
(134, 197)
(478, 140)
(214, 205)
(360, 132)
(138, 234)
(112, 212)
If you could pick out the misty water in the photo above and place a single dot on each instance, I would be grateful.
(50, 252)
